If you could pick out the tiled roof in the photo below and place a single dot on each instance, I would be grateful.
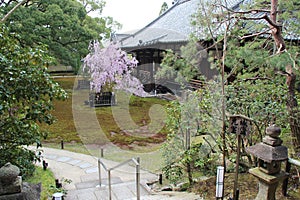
(173, 26)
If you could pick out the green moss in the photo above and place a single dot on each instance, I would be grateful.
(66, 83)
(139, 109)
(45, 177)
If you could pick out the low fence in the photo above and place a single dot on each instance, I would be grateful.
(136, 162)
(289, 164)
(102, 99)
(83, 84)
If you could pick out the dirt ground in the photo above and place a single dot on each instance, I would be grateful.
(248, 188)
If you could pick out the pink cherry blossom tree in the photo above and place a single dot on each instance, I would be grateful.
(111, 67)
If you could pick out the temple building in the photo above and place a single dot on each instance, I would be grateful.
(170, 30)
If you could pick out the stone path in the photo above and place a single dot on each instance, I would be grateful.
(82, 170)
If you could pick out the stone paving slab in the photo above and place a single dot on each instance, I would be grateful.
(74, 162)
(102, 194)
(122, 192)
(87, 184)
(92, 170)
(52, 157)
(63, 159)
(95, 183)
(92, 177)
(85, 194)
(114, 181)
(83, 171)
(85, 165)
(132, 187)
(143, 191)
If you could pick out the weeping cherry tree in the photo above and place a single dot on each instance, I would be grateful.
(111, 68)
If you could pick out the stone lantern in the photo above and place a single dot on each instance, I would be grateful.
(270, 154)
(10, 182)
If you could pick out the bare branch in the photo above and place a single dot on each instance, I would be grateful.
(12, 10)
(211, 147)
(265, 17)
(283, 73)
(255, 34)
(255, 11)
(215, 44)
(257, 78)
(252, 11)
(292, 59)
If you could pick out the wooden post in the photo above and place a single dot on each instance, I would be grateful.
(45, 165)
(102, 153)
(236, 176)
(138, 192)
(99, 170)
(62, 144)
(285, 182)
(109, 185)
(160, 179)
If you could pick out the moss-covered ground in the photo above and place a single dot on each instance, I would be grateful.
(46, 178)
(134, 127)
(124, 142)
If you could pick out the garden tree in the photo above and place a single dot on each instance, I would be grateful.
(251, 68)
(26, 94)
(64, 26)
(261, 100)
(189, 146)
(255, 51)
(182, 68)
(93, 6)
(12, 10)
(110, 68)
(164, 8)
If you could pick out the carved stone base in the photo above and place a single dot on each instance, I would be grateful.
(19, 196)
(266, 191)
(14, 188)
(267, 183)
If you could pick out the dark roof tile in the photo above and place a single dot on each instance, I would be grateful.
(174, 25)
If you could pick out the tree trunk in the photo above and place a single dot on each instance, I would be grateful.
(292, 105)
(189, 172)
(276, 28)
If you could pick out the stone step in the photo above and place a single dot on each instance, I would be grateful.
(95, 183)
(120, 191)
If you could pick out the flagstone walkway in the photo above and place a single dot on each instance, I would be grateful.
(82, 170)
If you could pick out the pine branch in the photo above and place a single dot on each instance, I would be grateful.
(265, 17)
(252, 11)
(255, 34)
(257, 78)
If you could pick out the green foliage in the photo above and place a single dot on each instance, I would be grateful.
(288, 15)
(188, 141)
(255, 86)
(253, 77)
(26, 94)
(62, 25)
(53, 189)
(173, 173)
(164, 8)
(93, 5)
(181, 68)
(261, 100)
(45, 177)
